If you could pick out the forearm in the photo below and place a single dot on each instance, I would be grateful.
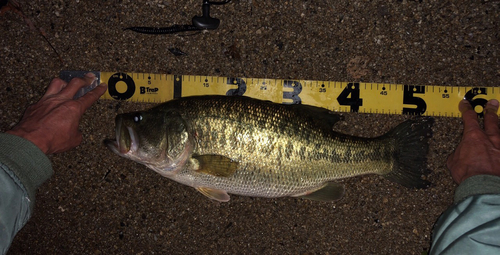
(472, 224)
(15, 207)
(23, 167)
(477, 185)
(28, 163)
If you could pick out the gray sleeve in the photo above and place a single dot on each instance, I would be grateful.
(23, 168)
(472, 225)
(28, 163)
(477, 185)
(14, 207)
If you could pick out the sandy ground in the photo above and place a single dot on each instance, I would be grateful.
(99, 203)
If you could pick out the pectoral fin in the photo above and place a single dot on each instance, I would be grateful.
(329, 192)
(216, 194)
(216, 165)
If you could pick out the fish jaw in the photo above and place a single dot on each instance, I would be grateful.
(126, 143)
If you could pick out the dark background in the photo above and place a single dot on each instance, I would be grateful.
(99, 203)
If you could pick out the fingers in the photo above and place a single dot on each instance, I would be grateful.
(469, 116)
(471, 122)
(88, 99)
(491, 121)
(76, 84)
(68, 90)
(55, 86)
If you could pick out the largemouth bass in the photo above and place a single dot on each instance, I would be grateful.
(244, 146)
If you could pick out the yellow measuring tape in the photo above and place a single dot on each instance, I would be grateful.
(428, 100)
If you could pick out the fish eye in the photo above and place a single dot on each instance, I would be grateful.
(137, 118)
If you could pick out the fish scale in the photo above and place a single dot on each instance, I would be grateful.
(245, 146)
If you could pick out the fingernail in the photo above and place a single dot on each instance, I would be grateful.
(103, 84)
(493, 102)
(491, 106)
(464, 106)
(90, 75)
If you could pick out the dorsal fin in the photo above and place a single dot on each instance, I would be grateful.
(319, 116)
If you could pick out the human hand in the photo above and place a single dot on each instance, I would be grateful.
(479, 151)
(52, 123)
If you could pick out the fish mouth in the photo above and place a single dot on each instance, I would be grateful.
(126, 141)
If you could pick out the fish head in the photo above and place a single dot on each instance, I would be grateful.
(157, 139)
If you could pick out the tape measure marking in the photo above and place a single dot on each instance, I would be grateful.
(382, 98)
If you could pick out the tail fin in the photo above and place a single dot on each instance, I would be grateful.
(410, 155)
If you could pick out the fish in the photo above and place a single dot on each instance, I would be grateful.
(223, 145)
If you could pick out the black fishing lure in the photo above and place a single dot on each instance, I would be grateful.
(204, 22)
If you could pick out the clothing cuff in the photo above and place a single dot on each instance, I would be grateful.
(477, 185)
(26, 161)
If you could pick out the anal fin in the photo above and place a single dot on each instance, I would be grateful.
(331, 191)
(215, 194)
